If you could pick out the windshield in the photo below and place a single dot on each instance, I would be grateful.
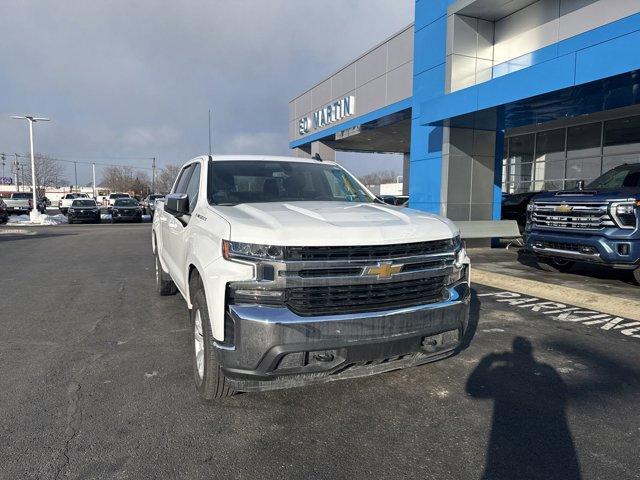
(21, 195)
(84, 203)
(618, 178)
(155, 197)
(234, 182)
(119, 195)
(126, 202)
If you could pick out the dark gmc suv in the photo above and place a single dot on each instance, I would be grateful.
(598, 223)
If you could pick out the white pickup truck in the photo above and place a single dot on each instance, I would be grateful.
(65, 202)
(19, 202)
(294, 273)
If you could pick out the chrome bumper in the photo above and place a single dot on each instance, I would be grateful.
(274, 348)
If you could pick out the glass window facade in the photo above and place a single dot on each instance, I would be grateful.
(556, 159)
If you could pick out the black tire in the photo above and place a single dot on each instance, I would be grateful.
(113, 220)
(164, 284)
(556, 265)
(636, 275)
(98, 220)
(209, 379)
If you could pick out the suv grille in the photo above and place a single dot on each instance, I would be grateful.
(578, 216)
(367, 252)
(367, 297)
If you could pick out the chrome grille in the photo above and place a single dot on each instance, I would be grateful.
(576, 216)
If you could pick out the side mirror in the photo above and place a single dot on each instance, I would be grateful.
(580, 184)
(177, 204)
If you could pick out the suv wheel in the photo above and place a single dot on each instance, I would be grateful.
(636, 275)
(209, 378)
(556, 265)
(164, 283)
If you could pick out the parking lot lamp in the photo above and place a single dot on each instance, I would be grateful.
(35, 214)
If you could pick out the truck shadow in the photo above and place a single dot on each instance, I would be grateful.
(530, 437)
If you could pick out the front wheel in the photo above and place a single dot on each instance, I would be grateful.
(209, 379)
(636, 275)
(556, 265)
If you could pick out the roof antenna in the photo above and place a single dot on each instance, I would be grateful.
(209, 132)
(317, 157)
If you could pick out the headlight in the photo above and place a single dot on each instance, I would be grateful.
(251, 251)
(624, 214)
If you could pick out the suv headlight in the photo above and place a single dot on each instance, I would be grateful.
(624, 214)
(251, 251)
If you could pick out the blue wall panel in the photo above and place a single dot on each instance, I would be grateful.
(610, 58)
(428, 11)
(430, 45)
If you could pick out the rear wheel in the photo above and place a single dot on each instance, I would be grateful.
(636, 275)
(164, 284)
(555, 264)
(208, 376)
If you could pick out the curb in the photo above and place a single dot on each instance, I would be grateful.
(618, 306)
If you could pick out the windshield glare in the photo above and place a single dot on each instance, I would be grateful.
(618, 178)
(84, 203)
(126, 202)
(234, 182)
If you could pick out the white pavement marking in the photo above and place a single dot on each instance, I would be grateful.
(613, 305)
(565, 313)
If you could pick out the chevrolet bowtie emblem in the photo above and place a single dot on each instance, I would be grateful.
(564, 208)
(383, 270)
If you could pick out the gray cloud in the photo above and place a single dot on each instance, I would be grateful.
(135, 79)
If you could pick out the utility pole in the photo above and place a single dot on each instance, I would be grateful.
(75, 171)
(153, 175)
(3, 157)
(16, 169)
(35, 214)
(93, 166)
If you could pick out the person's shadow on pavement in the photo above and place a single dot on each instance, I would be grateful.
(530, 438)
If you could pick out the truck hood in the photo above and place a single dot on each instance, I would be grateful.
(589, 195)
(332, 223)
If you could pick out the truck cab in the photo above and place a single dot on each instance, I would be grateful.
(599, 223)
(294, 273)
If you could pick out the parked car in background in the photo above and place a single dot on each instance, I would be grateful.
(84, 210)
(125, 210)
(598, 224)
(397, 200)
(514, 207)
(43, 203)
(19, 202)
(65, 202)
(4, 215)
(294, 273)
(148, 204)
(115, 196)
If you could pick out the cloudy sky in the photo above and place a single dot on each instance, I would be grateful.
(125, 80)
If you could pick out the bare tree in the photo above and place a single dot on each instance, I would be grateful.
(166, 177)
(49, 172)
(125, 179)
(377, 178)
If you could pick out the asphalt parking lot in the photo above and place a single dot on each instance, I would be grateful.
(96, 382)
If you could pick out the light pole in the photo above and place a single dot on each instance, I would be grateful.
(35, 214)
(94, 180)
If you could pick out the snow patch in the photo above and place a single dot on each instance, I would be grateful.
(43, 220)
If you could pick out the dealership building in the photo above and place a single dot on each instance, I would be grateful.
(487, 96)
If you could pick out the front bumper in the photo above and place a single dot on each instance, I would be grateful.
(274, 348)
(602, 249)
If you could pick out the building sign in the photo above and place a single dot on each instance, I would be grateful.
(349, 132)
(331, 113)
(6, 181)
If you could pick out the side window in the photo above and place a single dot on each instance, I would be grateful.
(193, 187)
(183, 179)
